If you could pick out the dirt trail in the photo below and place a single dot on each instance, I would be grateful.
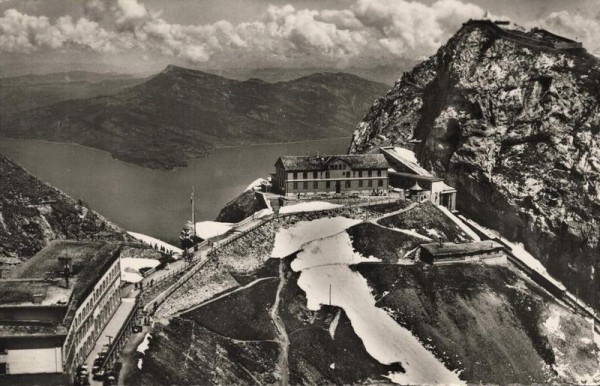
(283, 339)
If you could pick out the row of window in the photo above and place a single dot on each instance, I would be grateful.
(347, 184)
(82, 316)
(90, 340)
(327, 174)
(91, 300)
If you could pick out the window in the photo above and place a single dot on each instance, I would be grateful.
(370, 183)
(379, 182)
(348, 183)
(327, 184)
(379, 173)
(370, 173)
(360, 183)
(327, 175)
(305, 185)
(295, 185)
(315, 175)
(315, 185)
(305, 175)
(360, 173)
(295, 175)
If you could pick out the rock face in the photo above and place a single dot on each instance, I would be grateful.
(33, 213)
(512, 119)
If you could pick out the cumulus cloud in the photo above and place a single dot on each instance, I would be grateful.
(574, 26)
(368, 31)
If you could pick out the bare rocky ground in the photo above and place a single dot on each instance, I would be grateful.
(33, 213)
(487, 321)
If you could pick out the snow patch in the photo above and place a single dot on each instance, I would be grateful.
(130, 268)
(209, 229)
(255, 184)
(309, 207)
(519, 251)
(384, 339)
(263, 213)
(153, 241)
(459, 222)
(552, 325)
(289, 240)
(334, 324)
(332, 250)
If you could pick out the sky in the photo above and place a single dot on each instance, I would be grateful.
(145, 35)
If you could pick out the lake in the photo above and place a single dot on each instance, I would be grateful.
(155, 202)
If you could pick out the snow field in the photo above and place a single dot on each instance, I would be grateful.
(130, 268)
(209, 229)
(311, 206)
(255, 184)
(338, 250)
(324, 266)
(289, 240)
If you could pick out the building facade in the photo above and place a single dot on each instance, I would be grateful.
(419, 183)
(50, 320)
(331, 174)
(488, 251)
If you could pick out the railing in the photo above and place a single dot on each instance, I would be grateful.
(215, 246)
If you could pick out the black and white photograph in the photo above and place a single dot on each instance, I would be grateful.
(299, 192)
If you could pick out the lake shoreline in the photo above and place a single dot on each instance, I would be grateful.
(154, 202)
(174, 168)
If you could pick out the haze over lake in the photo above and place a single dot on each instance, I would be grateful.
(154, 202)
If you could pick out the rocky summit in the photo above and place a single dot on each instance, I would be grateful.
(512, 119)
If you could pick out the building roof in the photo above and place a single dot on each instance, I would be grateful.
(449, 250)
(416, 187)
(41, 277)
(319, 163)
(400, 162)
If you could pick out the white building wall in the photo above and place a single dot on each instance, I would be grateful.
(31, 361)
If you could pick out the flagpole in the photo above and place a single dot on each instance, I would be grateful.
(193, 214)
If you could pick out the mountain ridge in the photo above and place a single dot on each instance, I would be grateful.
(180, 114)
(516, 129)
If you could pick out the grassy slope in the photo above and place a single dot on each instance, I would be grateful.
(425, 217)
(385, 244)
(243, 315)
(483, 319)
(184, 353)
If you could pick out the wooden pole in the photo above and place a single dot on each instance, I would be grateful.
(193, 213)
(329, 294)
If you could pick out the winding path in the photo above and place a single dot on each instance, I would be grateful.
(283, 340)
(224, 295)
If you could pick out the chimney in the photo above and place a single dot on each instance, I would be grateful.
(65, 267)
(37, 298)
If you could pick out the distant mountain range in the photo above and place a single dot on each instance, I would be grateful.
(180, 114)
(21, 93)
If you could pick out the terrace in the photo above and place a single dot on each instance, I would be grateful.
(35, 298)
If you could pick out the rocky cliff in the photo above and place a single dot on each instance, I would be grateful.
(33, 213)
(512, 119)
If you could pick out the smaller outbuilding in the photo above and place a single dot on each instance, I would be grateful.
(448, 253)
